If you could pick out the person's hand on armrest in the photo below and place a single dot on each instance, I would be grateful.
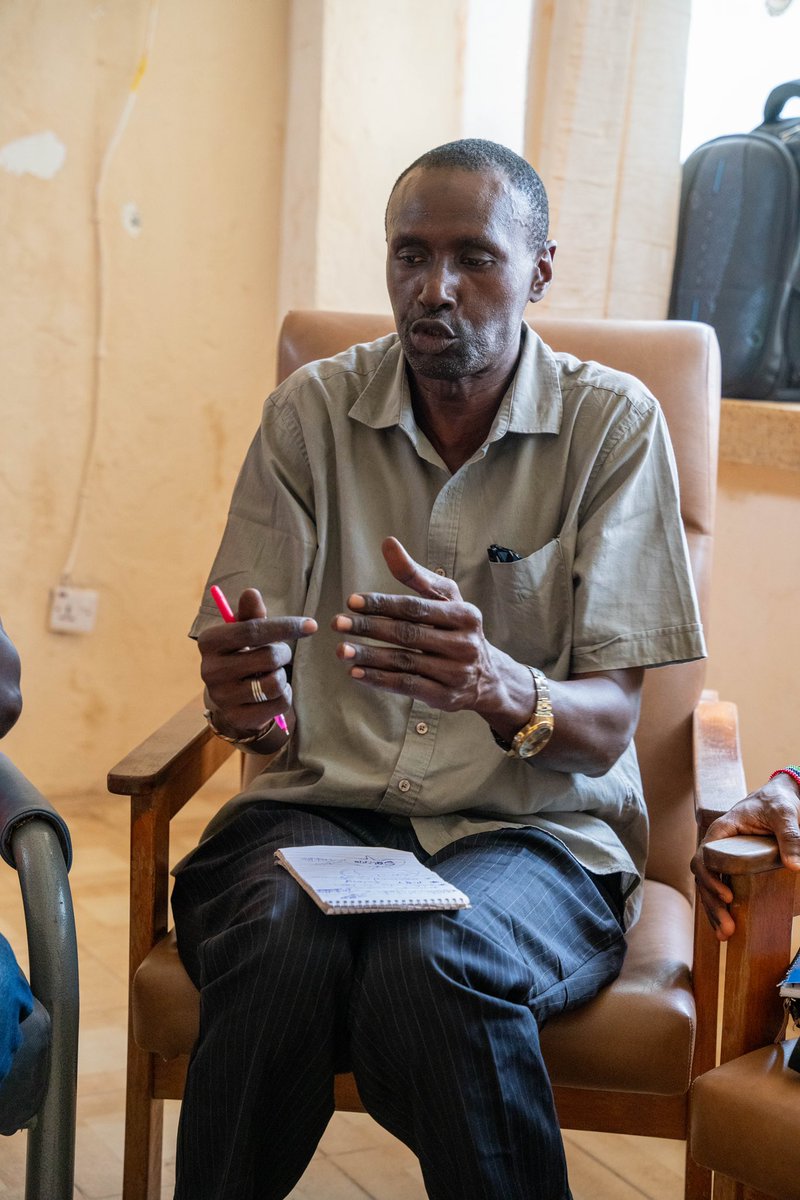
(773, 809)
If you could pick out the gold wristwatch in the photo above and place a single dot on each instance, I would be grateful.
(536, 733)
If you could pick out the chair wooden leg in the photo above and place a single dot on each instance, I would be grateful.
(144, 1116)
(144, 1122)
(698, 1180)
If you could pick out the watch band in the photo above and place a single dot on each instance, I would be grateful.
(539, 727)
(503, 743)
(534, 736)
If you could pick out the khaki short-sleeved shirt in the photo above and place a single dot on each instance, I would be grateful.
(576, 476)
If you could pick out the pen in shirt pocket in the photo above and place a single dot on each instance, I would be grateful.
(501, 554)
(228, 615)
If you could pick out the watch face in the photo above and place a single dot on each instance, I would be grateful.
(536, 740)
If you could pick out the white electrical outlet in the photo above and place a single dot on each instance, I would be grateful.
(73, 610)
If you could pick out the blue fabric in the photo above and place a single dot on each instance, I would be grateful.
(436, 1013)
(16, 1003)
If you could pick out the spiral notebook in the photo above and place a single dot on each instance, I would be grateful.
(360, 879)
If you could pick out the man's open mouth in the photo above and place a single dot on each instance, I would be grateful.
(431, 337)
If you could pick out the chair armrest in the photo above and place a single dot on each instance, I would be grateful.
(36, 841)
(53, 958)
(718, 771)
(762, 896)
(742, 855)
(160, 776)
(179, 758)
(20, 801)
(757, 954)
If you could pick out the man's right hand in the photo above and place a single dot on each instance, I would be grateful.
(254, 648)
(772, 809)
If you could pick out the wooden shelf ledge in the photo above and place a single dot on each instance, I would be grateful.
(761, 433)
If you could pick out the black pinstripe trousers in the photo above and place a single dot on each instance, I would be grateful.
(436, 1013)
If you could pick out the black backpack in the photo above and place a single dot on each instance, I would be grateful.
(737, 261)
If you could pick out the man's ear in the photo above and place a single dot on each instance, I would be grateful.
(543, 274)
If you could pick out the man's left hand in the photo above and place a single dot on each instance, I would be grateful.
(437, 650)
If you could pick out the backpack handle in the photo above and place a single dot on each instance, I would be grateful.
(779, 97)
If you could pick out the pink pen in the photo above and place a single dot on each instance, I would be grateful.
(227, 613)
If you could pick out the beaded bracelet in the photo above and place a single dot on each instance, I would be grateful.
(793, 771)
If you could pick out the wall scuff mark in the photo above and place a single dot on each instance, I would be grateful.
(39, 154)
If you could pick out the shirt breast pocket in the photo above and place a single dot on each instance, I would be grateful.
(530, 610)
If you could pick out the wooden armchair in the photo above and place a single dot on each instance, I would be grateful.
(625, 1062)
(744, 1112)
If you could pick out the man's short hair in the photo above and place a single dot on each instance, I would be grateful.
(478, 154)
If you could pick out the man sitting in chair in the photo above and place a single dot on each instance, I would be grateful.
(453, 554)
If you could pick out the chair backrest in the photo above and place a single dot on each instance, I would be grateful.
(679, 362)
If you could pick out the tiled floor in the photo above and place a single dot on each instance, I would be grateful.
(356, 1159)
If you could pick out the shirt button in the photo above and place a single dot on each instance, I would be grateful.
(440, 571)
(404, 785)
(422, 727)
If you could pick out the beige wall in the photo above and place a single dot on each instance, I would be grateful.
(345, 151)
(754, 636)
(604, 131)
(192, 314)
(372, 86)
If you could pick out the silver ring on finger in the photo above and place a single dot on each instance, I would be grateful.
(258, 692)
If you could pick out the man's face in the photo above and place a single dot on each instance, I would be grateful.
(460, 270)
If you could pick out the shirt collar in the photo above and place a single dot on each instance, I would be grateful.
(532, 403)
